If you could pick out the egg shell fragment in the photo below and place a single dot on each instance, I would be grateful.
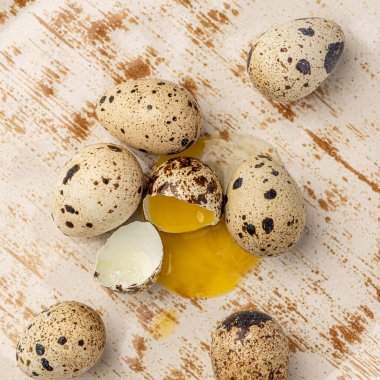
(61, 342)
(133, 251)
(249, 345)
(152, 115)
(187, 179)
(265, 212)
(99, 188)
(291, 60)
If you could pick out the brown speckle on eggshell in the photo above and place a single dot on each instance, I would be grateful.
(152, 115)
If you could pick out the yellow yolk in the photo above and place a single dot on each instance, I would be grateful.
(203, 263)
(170, 214)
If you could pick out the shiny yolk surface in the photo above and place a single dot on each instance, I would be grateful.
(170, 214)
(203, 263)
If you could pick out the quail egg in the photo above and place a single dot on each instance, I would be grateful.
(61, 342)
(99, 188)
(291, 60)
(249, 345)
(265, 212)
(152, 115)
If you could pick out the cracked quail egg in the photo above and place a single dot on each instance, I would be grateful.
(131, 259)
(183, 195)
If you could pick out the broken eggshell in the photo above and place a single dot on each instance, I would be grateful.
(131, 259)
(187, 179)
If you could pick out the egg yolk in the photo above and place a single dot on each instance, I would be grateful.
(203, 263)
(170, 214)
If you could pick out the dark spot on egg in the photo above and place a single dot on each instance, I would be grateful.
(274, 172)
(45, 363)
(62, 210)
(105, 180)
(267, 225)
(102, 99)
(81, 343)
(111, 99)
(70, 209)
(303, 66)
(70, 173)
(35, 374)
(251, 229)
(149, 107)
(184, 142)
(333, 54)
(62, 340)
(237, 183)
(118, 92)
(290, 59)
(307, 31)
(114, 148)
(69, 224)
(161, 83)
(244, 320)
(261, 164)
(89, 225)
(270, 194)
(143, 150)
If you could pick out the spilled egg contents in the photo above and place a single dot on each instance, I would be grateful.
(205, 262)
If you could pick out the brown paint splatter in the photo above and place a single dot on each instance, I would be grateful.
(224, 134)
(185, 3)
(136, 69)
(218, 16)
(284, 109)
(333, 152)
(46, 90)
(190, 85)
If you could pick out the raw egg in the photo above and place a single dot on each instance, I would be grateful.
(206, 262)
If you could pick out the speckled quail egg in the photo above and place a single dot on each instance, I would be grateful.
(99, 188)
(61, 342)
(131, 259)
(265, 212)
(152, 115)
(291, 60)
(249, 345)
(183, 194)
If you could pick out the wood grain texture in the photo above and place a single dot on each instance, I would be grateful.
(56, 57)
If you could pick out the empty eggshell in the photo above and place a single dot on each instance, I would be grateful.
(249, 345)
(187, 179)
(291, 60)
(152, 115)
(131, 259)
(61, 342)
(99, 188)
(265, 212)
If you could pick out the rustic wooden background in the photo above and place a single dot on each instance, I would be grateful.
(56, 57)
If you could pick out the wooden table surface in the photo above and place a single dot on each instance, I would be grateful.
(57, 57)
